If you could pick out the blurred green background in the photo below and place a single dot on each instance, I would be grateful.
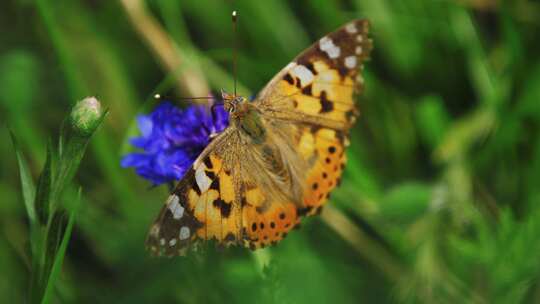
(440, 202)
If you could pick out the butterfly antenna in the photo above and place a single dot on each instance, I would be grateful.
(160, 97)
(235, 47)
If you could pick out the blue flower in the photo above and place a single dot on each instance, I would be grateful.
(171, 139)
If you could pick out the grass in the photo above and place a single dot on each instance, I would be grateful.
(440, 199)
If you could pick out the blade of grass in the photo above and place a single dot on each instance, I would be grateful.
(191, 80)
(463, 133)
(44, 186)
(60, 255)
(27, 184)
(363, 244)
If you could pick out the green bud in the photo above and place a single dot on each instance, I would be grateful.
(86, 116)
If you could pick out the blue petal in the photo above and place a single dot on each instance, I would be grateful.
(134, 160)
(145, 125)
(171, 139)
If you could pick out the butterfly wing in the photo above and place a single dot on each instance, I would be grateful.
(313, 98)
(318, 87)
(223, 197)
(202, 206)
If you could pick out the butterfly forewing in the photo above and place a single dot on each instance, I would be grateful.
(318, 87)
(203, 205)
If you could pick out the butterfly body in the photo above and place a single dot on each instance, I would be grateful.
(279, 159)
(247, 119)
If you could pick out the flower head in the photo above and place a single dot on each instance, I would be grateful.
(171, 139)
(86, 116)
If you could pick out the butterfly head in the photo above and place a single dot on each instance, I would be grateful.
(245, 116)
(237, 106)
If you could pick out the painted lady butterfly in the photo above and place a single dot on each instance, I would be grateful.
(279, 159)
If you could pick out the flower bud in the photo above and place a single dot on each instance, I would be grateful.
(86, 116)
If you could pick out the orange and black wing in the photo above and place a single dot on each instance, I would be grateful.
(319, 86)
(218, 200)
(315, 94)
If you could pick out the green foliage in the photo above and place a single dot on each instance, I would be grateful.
(49, 234)
(440, 202)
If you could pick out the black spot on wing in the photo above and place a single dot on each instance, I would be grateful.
(224, 207)
(343, 71)
(208, 163)
(230, 237)
(298, 83)
(197, 189)
(309, 66)
(307, 90)
(326, 105)
(215, 184)
(303, 211)
(288, 78)
(211, 175)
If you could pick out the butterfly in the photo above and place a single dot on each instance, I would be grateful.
(280, 157)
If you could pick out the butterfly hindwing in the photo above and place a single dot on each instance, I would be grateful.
(266, 217)
(324, 149)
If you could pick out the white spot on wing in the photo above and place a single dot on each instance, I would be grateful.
(334, 52)
(358, 50)
(303, 73)
(162, 242)
(351, 28)
(325, 42)
(172, 242)
(175, 207)
(290, 65)
(350, 62)
(327, 45)
(359, 38)
(184, 233)
(202, 180)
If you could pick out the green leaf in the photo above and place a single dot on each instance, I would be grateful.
(60, 254)
(27, 184)
(432, 119)
(54, 233)
(44, 188)
(62, 137)
(406, 201)
(463, 133)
